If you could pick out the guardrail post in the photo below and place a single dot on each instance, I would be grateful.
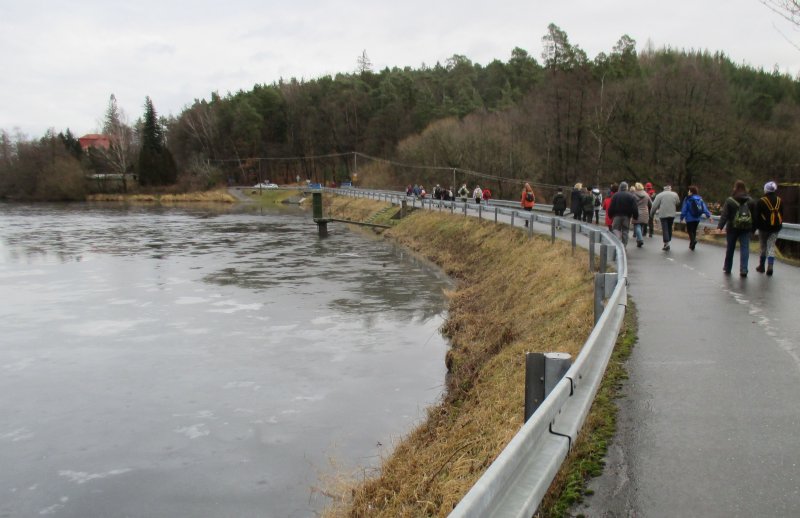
(574, 229)
(603, 258)
(592, 241)
(480, 211)
(513, 213)
(495, 214)
(543, 371)
(465, 208)
(599, 292)
(531, 219)
(553, 230)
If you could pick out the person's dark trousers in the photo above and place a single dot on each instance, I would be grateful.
(743, 237)
(529, 209)
(597, 216)
(650, 226)
(666, 229)
(691, 229)
(559, 212)
(578, 213)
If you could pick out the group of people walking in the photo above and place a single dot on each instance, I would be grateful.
(740, 217)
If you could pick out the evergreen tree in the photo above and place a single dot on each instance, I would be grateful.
(156, 165)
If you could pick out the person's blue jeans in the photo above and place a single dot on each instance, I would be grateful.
(637, 231)
(743, 237)
(666, 229)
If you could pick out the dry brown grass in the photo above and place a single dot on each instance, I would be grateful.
(515, 295)
(216, 196)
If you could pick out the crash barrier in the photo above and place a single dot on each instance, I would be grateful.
(515, 483)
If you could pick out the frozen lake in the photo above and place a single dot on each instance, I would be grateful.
(168, 362)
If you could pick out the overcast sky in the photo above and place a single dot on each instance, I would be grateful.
(60, 61)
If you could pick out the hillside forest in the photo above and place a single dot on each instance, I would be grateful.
(668, 116)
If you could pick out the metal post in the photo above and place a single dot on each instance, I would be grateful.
(534, 382)
(530, 225)
(480, 211)
(574, 227)
(512, 217)
(495, 214)
(603, 258)
(465, 208)
(543, 371)
(553, 230)
(599, 291)
(322, 227)
(555, 366)
(592, 238)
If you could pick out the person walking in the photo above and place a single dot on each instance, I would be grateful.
(693, 209)
(643, 204)
(648, 187)
(487, 195)
(737, 220)
(576, 201)
(477, 193)
(598, 204)
(587, 200)
(665, 207)
(559, 202)
(607, 204)
(528, 199)
(621, 209)
(769, 220)
(463, 193)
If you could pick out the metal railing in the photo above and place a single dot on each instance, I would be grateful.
(515, 483)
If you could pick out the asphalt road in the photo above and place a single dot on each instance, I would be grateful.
(710, 421)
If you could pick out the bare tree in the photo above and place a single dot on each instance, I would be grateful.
(119, 155)
(789, 9)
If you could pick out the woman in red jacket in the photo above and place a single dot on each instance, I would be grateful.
(607, 203)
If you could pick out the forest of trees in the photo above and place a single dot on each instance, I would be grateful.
(660, 115)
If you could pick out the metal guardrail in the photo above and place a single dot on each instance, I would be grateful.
(515, 483)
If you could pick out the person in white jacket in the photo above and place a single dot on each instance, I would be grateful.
(665, 208)
(477, 194)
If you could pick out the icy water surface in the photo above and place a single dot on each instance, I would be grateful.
(189, 362)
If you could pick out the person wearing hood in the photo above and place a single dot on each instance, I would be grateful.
(559, 202)
(527, 199)
(665, 208)
(607, 204)
(463, 193)
(621, 209)
(769, 220)
(643, 204)
(693, 209)
(576, 201)
(737, 220)
(587, 202)
(477, 193)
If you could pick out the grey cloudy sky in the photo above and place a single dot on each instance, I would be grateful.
(60, 61)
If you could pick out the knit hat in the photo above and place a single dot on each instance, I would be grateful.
(770, 187)
(623, 186)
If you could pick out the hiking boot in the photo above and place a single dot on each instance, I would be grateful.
(769, 270)
(760, 268)
(692, 244)
(742, 273)
(639, 244)
(726, 272)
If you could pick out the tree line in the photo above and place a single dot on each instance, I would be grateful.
(660, 115)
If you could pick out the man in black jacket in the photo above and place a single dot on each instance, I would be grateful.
(621, 210)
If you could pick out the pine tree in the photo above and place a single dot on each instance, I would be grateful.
(156, 165)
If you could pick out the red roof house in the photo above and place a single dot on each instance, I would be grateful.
(94, 140)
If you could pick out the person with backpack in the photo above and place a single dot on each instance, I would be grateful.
(622, 209)
(463, 193)
(665, 207)
(597, 199)
(769, 220)
(648, 187)
(693, 209)
(528, 199)
(737, 220)
(487, 195)
(559, 202)
(477, 193)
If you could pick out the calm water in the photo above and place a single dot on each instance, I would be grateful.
(187, 362)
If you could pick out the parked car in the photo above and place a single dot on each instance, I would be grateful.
(263, 185)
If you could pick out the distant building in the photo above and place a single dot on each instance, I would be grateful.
(94, 140)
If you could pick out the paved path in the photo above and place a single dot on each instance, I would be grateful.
(710, 425)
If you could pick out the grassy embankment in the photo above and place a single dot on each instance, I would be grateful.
(216, 196)
(514, 295)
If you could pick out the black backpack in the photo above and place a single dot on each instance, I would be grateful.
(695, 207)
(529, 196)
(743, 220)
